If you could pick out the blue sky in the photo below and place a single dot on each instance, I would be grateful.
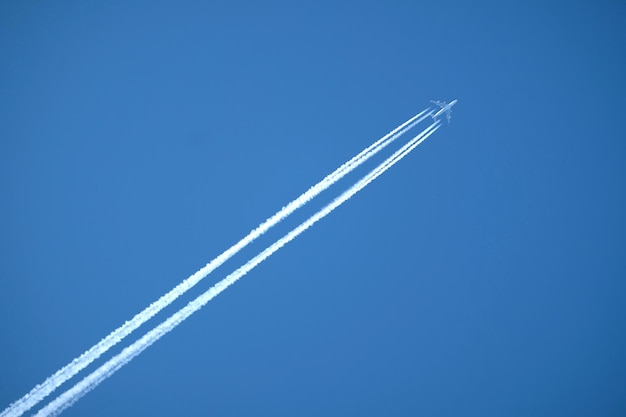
(482, 275)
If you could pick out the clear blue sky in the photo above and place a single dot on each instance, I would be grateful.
(482, 275)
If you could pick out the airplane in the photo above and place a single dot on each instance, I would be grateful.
(445, 108)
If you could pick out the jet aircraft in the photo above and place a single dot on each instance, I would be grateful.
(445, 108)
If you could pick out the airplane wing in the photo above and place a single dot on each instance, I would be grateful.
(449, 115)
(439, 103)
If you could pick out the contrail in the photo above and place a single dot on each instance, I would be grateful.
(91, 381)
(39, 392)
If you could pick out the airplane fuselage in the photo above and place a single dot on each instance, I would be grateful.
(444, 109)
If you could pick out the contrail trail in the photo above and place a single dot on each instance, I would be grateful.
(39, 392)
(91, 381)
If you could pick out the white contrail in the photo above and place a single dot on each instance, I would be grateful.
(72, 395)
(42, 390)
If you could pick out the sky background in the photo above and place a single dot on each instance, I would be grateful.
(482, 275)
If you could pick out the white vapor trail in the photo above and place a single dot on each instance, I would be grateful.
(72, 395)
(39, 392)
